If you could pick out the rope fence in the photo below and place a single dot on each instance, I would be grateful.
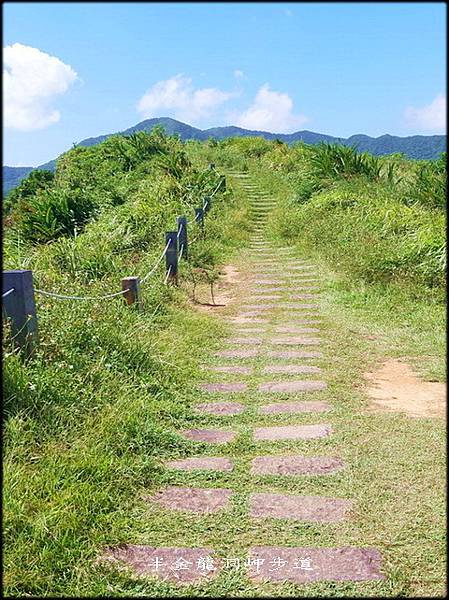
(63, 297)
(20, 308)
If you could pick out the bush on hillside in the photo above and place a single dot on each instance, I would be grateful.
(28, 187)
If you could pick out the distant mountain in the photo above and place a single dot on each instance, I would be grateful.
(12, 176)
(416, 146)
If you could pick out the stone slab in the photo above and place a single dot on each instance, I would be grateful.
(293, 407)
(292, 387)
(301, 267)
(292, 432)
(246, 353)
(261, 306)
(316, 509)
(293, 330)
(197, 500)
(220, 408)
(266, 297)
(296, 341)
(291, 369)
(251, 313)
(212, 436)
(299, 330)
(233, 369)
(296, 465)
(297, 306)
(202, 463)
(226, 388)
(303, 565)
(311, 280)
(251, 330)
(244, 340)
(178, 565)
(289, 354)
(247, 320)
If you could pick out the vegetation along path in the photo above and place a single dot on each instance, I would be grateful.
(280, 495)
(282, 437)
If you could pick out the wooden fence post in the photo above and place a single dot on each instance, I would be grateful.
(19, 307)
(182, 237)
(207, 203)
(171, 256)
(199, 217)
(132, 295)
(223, 183)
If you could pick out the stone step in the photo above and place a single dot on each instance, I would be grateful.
(292, 329)
(279, 408)
(220, 408)
(290, 369)
(188, 499)
(224, 388)
(246, 353)
(232, 369)
(290, 354)
(201, 463)
(298, 329)
(310, 509)
(296, 306)
(250, 319)
(177, 565)
(295, 465)
(244, 340)
(292, 432)
(295, 341)
(260, 306)
(305, 564)
(212, 436)
(292, 387)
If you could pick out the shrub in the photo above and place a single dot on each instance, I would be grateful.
(54, 212)
(36, 180)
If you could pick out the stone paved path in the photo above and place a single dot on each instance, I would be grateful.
(267, 365)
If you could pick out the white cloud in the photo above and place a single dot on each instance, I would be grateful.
(271, 111)
(428, 118)
(239, 74)
(178, 97)
(31, 78)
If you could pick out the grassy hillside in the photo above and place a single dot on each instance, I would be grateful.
(88, 419)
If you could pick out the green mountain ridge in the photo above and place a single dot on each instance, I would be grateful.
(418, 147)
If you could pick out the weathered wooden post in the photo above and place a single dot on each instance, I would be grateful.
(207, 204)
(182, 237)
(199, 217)
(19, 307)
(171, 256)
(132, 293)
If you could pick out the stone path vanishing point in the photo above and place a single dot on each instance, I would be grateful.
(283, 298)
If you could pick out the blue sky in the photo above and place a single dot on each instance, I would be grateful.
(77, 70)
